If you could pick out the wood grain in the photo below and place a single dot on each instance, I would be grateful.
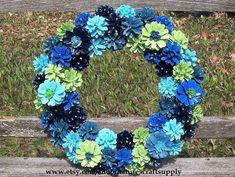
(90, 5)
(195, 167)
(210, 127)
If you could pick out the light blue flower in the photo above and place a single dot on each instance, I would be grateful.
(51, 93)
(72, 156)
(97, 47)
(106, 139)
(71, 141)
(190, 56)
(176, 148)
(167, 87)
(173, 129)
(40, 63)
(96, 26)
(125, 11)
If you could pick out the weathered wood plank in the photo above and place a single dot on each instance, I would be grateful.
(210, 127)
(90, 5)
(35, 167)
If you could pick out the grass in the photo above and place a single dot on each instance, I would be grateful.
(131, 87)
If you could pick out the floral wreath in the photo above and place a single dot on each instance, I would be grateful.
(68, 53)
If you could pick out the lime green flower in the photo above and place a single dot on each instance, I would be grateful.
(61, 31)
(155, 35)
(54, 73)
(135, 44)
(72, 79)
(140, 136)
(180, 38)
(89, 154)
(134, 168)
(38, 104)
(140, 155)
(197, 114)
(183, 71)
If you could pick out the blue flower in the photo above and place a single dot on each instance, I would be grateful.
(61, 55)
(176, 148)
(71, 98)
(88, 130)
(51, 93)
(152, 56)
(198, 74)
(190, 56)
(124, 157)
(156, 122)
(108, 157)
(97, 26)
(81, 19)
(45, 120)
(189, 93)
(146, 14)
(167, 107)
(158, 145)
(49, 44)
(132, 27)
(167, 87)
(106, 139)
(76, 41)
(166, 21)
(40, 63)
(71, 141)
(115, 41)
(171, 53)
(72, 156)
(97, 47)
(125, 11)
(173, 129)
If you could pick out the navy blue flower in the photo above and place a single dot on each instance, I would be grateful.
(156, 122)
(88, 130)
(38, 80)
(45, 120)
(108, 157)
(189, 93)
(198, 74)
(189, 131)
(154, 162)
(166, 21)
(152, 56)
(115, 41)
(104, 11)
(49, 44)
(125, 140)
(146, 14)
(81, 19)
(124, 157)
(71, 98)
(61, 55)
(132, 27)
(163, 69)
(167, 107)
(80, 62)
(114, 24)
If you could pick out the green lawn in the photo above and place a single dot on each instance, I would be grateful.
(131, 87)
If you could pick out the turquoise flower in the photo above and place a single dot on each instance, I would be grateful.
(71, 141)
(40, 63)
(176, 148)
(106, 139)
(72, 156)
(51, 93)
(167, 87)
(96, 26)
(190, 56)
(125, 11)
(173, 129)
(97, 47)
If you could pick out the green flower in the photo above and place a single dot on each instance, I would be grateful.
(197, 114)
(72, 79)
(61, 31)
(54, 73)
(155, 35)
(140, 136)
(135, 168)
(140, 155)
(183, 71)
(38, 104)
(135, 44)
(89, 154)
(180, 38)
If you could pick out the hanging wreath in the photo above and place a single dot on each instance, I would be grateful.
(59, 75)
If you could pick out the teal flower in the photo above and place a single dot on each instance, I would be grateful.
(97, 47)
(173, 129)
(176, 148)
(71, 141)
(125, 11)
(167, 87)
(190, 56)
(106, 139)
(96, 26)
(40, 63)
(51, 93)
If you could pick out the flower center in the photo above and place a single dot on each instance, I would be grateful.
(191, 93)
(76, 41)
(49, 94)
(89, 156)
(155, 35)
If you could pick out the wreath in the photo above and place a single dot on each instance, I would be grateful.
(58, 77)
